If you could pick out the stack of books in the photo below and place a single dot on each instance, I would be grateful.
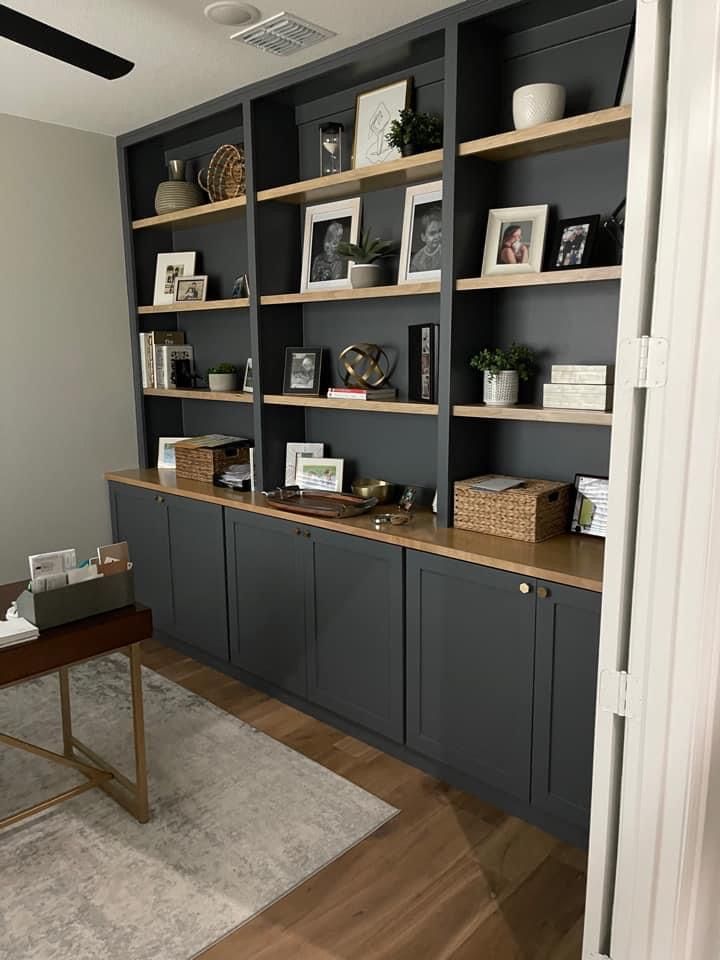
(581, 386)
(158, 349)
(359, 393)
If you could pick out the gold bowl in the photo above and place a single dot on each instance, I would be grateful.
(368, 487)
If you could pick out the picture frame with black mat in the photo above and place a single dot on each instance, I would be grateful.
(303, 371)
(574, 244)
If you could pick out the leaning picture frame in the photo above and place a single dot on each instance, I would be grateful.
(319, 473)
(327, 225)
(170, 266)
(421, 247)
(574, 242)
(375, 110)
(515, 240)
(190, 289)
(590, 510)
(303, 371)
(248, 377)
(166, 452)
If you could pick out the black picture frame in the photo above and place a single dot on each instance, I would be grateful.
(423, 362)
(299, 383)
(587, 254)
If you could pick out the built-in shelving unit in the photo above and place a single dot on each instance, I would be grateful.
(231, 396)
(365, 406)
(547, 277)
(236, 303)
(193, 216)
(365, 293)
(597, 418)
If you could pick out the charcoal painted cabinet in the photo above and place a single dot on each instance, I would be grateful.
(470, 639)
(178, 554)
(566, 656)
(319, 614)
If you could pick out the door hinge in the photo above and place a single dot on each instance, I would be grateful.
(644, 362)
(619, 694)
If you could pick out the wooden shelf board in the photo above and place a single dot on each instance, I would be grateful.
(365, 293)
(423, 166)
(602, 126)
(237, 303)
(597, 418)
(570, 559)
(367, 406)
(194, 216)
(581, 275)
(232, 396)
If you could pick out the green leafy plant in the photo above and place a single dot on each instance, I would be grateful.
(420, 131)
(496, 360)
(367, 250)
(223, 368)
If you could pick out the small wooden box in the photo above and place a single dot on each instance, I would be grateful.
(579, 373)
(537, 510)
(193, 462)
(575, 396)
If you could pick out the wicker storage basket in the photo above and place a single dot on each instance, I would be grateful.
(204, 463)
(537, 510)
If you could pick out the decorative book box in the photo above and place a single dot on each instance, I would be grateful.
(578, 396)
(536, 510)
(202, 458)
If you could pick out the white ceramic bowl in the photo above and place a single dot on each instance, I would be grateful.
(538, 103)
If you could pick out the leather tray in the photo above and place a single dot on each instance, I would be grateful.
(317, 503)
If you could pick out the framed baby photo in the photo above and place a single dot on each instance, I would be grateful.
(303, 369)
(190, 289)
(574, 242)
(421, 248)
(515, 240)
(327, 225)
(171, 266)
(375, 110)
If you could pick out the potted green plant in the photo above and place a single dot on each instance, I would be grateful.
(502, 372)
(223, 376)
(415, 132)
(365, 271)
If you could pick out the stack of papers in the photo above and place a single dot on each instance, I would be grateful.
(496, 484)
(236, 476)
(17, 630)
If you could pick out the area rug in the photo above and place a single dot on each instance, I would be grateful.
(238, 821)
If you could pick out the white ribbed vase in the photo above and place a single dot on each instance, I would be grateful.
(501, 389)
(538, 103)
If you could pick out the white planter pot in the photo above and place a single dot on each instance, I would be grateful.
(366, 275)
(501, 389)
(223, 381)
(538, 103)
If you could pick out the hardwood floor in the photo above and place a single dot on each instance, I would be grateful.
(449, 877)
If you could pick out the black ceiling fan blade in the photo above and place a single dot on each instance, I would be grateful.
(62, 46)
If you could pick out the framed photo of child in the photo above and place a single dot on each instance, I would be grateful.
(327, 225)
(421, 249)
(515, 240)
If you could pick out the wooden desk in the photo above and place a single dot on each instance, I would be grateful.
(57, 650)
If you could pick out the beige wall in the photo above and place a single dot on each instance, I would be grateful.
(66, 405)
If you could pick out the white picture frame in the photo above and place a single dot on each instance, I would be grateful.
(166, 452)
(328, 223)
(170, 266)
(248, 377)
(320, 473)
(295, 451)
(421, 247)
(375, 110)
(515, 240)
(192, 289)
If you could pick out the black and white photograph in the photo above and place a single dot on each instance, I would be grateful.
(421, 251)
(169, 269)
(515, 240)
(241, 288)
(375, 110)
(190, 289)
(326, 227)
(302, 371)
(574, 242)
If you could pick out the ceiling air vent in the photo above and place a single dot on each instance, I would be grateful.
(283, 34)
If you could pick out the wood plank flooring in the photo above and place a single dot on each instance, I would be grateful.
(450, 878)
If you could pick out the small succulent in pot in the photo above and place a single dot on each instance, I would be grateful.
(502, 371)
(415, 132)
(223, 376)
(364, 269)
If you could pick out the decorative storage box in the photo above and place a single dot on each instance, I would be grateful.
(202, 458)
(77, 601)
(537, 510)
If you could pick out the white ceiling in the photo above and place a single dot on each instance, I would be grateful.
(181, 58)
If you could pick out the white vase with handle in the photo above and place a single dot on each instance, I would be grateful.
(501, 389)
(538, 103)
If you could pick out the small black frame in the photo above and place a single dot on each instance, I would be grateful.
(577, 259)
(303, 371)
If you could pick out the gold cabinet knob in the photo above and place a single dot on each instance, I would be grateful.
(159, 499)
(543, 593)
(298, 531)
(525, 588)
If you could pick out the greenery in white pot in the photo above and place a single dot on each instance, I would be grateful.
(365, 271)
(223, 376)
(502, 371)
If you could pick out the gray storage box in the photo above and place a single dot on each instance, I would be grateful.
(77, 601)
